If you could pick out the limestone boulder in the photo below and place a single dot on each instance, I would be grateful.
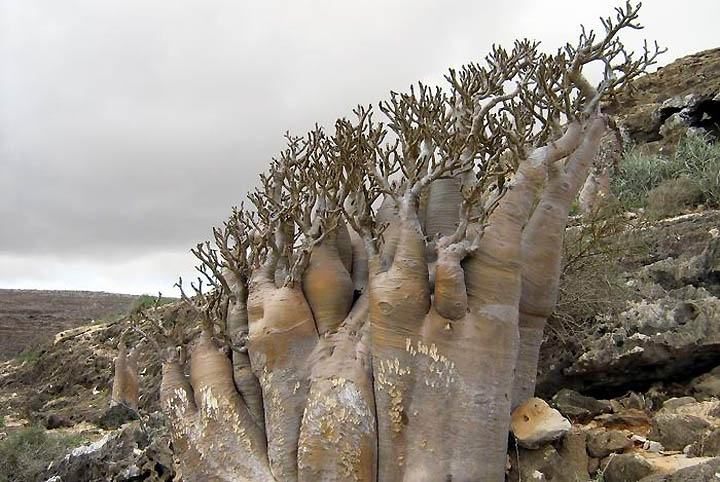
(535, 423)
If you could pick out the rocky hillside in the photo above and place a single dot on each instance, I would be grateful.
(660, 107)
(32, 317)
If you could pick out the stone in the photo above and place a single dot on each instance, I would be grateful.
(670, 330)
(653, 447)
(673, 403)
(676, 431)
(625, 468)
(633, 401)
(654, 339)
(667, 329)
(708, 471)
(128, 454)
(601, 443)
(115, 416)
(709, 445)
(579, 407)
(54, 421)
(625, 419)
(574, 455)
(707, 386)
(568, 463)
(535, 423)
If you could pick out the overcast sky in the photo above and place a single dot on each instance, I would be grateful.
(128, 128)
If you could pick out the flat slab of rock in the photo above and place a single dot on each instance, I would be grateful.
(675, 403)
(579, 407)
(535, 423)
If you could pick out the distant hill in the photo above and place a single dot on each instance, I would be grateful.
(30, 317)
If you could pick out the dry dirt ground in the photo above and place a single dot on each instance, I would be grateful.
(32, 317)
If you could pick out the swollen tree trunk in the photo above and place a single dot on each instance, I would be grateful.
(542, 242)
(594, 191)
(126, 385)
(411, 381)
(380, 312)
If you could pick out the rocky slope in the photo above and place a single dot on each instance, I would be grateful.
(31, 317)
(661, 106)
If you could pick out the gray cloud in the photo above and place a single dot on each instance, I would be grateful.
(128, 128)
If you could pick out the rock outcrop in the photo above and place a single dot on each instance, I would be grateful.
(670, 327)
(663, 105)
(134, 452)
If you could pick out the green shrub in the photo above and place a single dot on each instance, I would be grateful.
(700, 158)
(2, 421)
(30, 355)
(26, 453)
(696, 158)
(672, 196)
(145, 302)
(639, 174)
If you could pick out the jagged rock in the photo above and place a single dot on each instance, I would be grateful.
(625, 468)
(535, 423)
(568, 463)
(128, 454)
(673, 273)
(601, 443)
(669, 330)
(655, 339)
(685, 89)
(674, 403)
(579, 407)
(675, 431)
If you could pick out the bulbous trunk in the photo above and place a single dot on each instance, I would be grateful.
(282, 336)
(246, 382)
(493, 279)
(338, 437)
(542, 242)
(595, 189)
(442, 212)
(325, 271)
(399, 300)
(126, 383)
